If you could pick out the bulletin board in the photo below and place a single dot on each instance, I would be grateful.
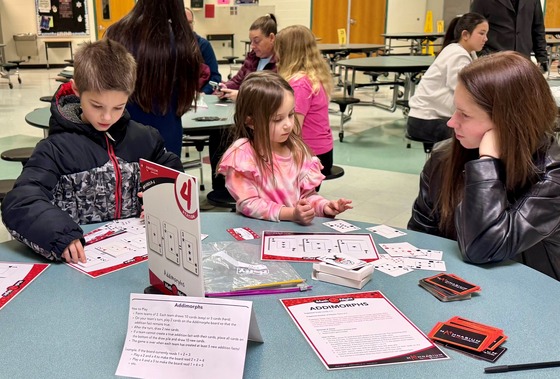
(62, 17)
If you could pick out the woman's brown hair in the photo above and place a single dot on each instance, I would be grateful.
(159, 37)
(513, 92)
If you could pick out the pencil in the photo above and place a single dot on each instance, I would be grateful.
(272, 284)
(519, 367)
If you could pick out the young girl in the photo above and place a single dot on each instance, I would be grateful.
(269, 170)
(495, 185)
(302, 65)
(432, 104)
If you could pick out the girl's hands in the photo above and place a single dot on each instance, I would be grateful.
(332, 208)
(304, 212)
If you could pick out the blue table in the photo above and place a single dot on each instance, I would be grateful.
(67, 325)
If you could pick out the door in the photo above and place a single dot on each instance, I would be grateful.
(552, 14)
(367, 20)
(108, 12)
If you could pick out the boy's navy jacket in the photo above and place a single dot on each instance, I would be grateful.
(79, 175)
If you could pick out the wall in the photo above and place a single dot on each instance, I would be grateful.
(224, 22)
(287, 12)
(19, 16)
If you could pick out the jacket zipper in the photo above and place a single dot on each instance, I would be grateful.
(118, 178)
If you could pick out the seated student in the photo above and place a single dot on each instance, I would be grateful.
(262, 34)
(495, 185)
(432, 103)
(269, 170)
(87, 169)
(208, 56)
(301, 63)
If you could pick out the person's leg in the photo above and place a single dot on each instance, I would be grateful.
(428, 130)
(217, 145)
(327, 162)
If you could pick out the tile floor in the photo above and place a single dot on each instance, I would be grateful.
(381, 174)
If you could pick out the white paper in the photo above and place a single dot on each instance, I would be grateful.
(309, 247)
(114, 253)
(359, 329)
(185, 337)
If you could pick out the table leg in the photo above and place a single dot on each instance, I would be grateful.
(47, 53)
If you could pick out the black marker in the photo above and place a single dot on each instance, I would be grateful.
(524, 366)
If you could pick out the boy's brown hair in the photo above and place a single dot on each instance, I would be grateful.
(104, 65)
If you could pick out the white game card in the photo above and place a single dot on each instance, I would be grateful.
(386, 231)
(341, 226)
(401, 249)
(391, 266)
(424, 264)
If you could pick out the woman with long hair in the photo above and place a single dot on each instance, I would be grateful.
(495, 185)
(159, 37)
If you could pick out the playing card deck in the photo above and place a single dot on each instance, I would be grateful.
(475, 339)
(448, 287)
(343, 269)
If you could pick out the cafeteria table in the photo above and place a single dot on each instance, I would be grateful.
(407, 65)
(67, 325)
(416, 39)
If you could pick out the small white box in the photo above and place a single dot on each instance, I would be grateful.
(318, 275)
(356, 275)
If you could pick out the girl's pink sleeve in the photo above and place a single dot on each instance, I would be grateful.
(242, 186)
(312, 178)
(243, 181)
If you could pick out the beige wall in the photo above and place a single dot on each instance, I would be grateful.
(18, 16)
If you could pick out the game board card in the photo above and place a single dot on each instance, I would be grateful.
(341, 226)
(424, 264)
(391, 266)
(115, 249)
(93, 260)
(386, 231)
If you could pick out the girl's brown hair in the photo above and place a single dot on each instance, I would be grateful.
(513, 92)
(260, 96)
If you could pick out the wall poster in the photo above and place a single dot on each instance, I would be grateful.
(62, 17)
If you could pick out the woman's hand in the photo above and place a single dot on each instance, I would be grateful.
(230, 94)
(489, 145)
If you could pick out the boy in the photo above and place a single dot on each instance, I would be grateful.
(87, 169)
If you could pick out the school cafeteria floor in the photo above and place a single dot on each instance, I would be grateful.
(381, 174)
